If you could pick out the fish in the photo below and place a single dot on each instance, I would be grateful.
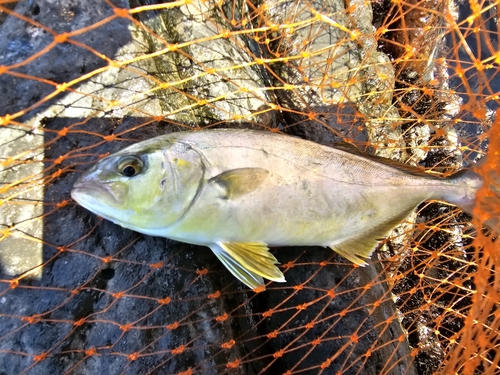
(240, 192)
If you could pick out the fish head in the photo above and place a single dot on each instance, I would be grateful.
(143, 187)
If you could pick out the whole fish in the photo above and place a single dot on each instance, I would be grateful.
(240, 191)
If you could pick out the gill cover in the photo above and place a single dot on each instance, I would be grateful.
(183, 174)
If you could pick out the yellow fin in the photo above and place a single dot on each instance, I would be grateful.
(361, 247)
(239, 182)
(247, 277)
(249, 262)
(356, 250)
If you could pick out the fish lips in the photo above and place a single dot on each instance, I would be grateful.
(91, 193)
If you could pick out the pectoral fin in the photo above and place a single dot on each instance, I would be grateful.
(249, 262)
(239, 182)
(361, 247)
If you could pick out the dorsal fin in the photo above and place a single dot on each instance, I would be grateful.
(350, 148)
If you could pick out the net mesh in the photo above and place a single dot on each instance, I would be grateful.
(414, 81)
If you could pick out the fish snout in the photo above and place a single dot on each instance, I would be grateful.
(89, 188)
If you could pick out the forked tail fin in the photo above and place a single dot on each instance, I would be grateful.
(477, 192)
(487, 204)
(487, 209)
(462, 189)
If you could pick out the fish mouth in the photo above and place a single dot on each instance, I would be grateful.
(85, 192)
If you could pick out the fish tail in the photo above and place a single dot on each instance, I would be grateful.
(462, 189)
(486, 207)
(477, 192)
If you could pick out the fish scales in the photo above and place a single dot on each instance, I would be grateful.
(319, 157)
(331, 192)
(240, 191)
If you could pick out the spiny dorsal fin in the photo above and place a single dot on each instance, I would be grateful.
(239, 182)
(249, 262)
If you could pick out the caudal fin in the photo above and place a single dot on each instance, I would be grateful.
(477, 192)
(486, 207)
(463, 189)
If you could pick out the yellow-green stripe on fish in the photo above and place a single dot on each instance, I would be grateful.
(240, 191)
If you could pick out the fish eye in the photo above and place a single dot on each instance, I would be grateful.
(130, 166)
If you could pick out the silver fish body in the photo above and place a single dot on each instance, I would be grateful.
(239, 191)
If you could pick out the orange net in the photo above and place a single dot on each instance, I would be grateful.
(414, 81)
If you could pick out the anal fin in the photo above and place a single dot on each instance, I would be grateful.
(249, 262)
(356, 250)
(361, 247)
